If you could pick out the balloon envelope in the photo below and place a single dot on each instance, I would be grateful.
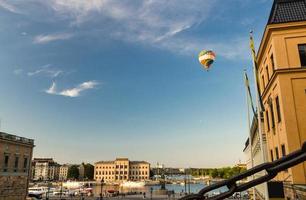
(207, 58)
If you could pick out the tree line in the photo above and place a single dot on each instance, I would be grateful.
(224, 173)
(74, 173)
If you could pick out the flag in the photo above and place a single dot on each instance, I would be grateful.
(247, 85)
(252, 47)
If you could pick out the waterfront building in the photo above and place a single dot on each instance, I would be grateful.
(256, 155)
(81, 171)
(63, 172)
(122, 169)
(281, 62)
(16, 155)
(45, 169)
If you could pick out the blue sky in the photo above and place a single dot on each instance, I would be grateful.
(98, 79)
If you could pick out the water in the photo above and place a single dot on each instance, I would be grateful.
(177, 188)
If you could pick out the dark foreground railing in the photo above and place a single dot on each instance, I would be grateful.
(271, 168)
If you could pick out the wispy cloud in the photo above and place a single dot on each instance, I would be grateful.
(18, 71)
(46, 70)
(148, 22)
(163, 24)
(10, 7)
(43, 39)
(72, 92)
(52, 89)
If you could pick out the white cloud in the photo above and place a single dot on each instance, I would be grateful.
(52, 89)
(18, 71)
(43, 39)
(135, 20)
(72, 92)
(236, 48)
(163, 24)
(46, 70)
(10, 7)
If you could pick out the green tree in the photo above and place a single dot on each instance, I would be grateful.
(89, 171)
(73, 172)
(214, 173)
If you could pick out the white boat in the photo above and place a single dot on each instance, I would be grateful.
(73, 185)
(38, 190)
(132, 184)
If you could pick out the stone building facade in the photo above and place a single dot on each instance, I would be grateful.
(15, 158)
(45, 169)
(122, 169)
(63, 172)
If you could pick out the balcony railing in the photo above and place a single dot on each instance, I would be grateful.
(16, 138)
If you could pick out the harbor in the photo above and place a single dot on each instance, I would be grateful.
(132, 190)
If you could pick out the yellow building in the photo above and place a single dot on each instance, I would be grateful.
(122, 170)
(282, 76)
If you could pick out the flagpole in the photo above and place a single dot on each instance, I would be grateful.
(249, 126)
(259, 108)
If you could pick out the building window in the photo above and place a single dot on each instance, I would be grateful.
(263, 82)
(16, 164)
(271, 154)
(272, 113)
(283, 150)
(278, 110)
(25, 164)
(272, 62)
(6, 161)
(267, 119)
(302, 52)
(267, 71)
(276, 153)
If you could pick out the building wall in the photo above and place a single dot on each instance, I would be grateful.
(286, 79)
(45, 169)
(121, 170)
(15, 175)
(257, 156)
(63, 172)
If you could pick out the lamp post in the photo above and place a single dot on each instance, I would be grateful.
(61, 191)
(102, 181)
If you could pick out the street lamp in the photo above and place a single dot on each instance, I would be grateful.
(102, 181)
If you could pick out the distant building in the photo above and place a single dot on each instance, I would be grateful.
(81, 171)
(45, 169)
(122, 169)
(63, 172)
(257, 157)
(281, 62)
(16, 155)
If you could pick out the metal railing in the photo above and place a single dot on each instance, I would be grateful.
(271, 168)
(15, 138)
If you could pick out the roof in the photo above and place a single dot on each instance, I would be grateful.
(43, 160)
(15, 138)
(139, 162)
(122, 159)
(284, 11)
(105, 162)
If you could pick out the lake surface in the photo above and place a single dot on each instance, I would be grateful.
(177, 188)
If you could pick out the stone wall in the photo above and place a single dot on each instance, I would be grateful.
(13, 187)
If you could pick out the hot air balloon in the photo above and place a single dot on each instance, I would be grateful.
(206, 58)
